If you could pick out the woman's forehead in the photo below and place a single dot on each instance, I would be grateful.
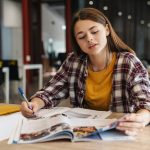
(83, 25)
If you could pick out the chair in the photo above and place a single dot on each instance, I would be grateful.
(13, 69)
(4, 78)
(1, 73)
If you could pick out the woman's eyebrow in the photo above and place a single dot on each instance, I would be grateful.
(92, 27)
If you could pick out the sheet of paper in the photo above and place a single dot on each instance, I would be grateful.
(7, 124)
(87, 113)
(98, 123)
(73, 113)
(52, 111)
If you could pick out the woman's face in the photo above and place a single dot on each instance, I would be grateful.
(91, 36)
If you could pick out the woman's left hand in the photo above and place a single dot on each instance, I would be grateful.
(134, 123)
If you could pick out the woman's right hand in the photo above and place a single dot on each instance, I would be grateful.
(35, 104)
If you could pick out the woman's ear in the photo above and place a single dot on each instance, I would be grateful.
(107, 30)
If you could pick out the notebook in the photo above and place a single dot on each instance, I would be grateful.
(8, 108)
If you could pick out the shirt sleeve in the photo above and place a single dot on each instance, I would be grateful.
(139, 84)
(57, 87)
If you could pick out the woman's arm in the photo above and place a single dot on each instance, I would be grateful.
(56, 88)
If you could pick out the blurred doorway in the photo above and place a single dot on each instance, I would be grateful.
(53, 31)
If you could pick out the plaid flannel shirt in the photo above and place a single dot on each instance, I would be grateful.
(130, 87)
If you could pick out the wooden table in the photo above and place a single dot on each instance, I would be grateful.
(142, 142)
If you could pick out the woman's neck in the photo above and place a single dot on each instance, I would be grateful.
(100, 61)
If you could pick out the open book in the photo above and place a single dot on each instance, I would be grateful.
(75, 124)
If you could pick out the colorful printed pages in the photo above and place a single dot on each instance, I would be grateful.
(75, 124)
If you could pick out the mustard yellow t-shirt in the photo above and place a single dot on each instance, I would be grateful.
(99, 86)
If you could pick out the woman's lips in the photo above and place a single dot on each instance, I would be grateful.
(93, 45)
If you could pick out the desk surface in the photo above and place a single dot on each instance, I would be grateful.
(142, 142)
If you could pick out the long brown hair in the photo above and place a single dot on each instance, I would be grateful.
(113, 40)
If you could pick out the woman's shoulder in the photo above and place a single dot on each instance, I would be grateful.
(74, 57)
(129, 60)
(128, 57)
(71, 55)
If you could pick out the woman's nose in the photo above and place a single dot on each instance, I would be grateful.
(89, 38)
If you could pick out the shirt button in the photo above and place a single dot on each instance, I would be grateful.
(82, 91)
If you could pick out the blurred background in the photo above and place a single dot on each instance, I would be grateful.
(37, 32)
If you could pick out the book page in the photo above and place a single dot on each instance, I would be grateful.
(40, 129)
(84, 127)
(43, 113)
(87, 113)
(73, 113)
(7, 123)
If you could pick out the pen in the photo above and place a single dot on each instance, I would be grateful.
(24, 97)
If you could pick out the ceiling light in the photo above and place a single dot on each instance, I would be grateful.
(129, 17)
(105, 7)
(119, 13)
(91, 2)
(50, 40)
(142, 21)
(63, 27)
(148, 2)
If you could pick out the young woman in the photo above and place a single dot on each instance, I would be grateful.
(102, 73)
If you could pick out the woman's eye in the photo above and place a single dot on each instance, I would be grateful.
(94, 32)
(82, 37)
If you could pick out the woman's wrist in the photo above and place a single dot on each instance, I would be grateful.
(39, 102)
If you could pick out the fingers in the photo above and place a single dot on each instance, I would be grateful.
(128, 125)
(36, 104)
(133, 118)
(26, 111)
(131, 133)
(131, 124)
(130, 128)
